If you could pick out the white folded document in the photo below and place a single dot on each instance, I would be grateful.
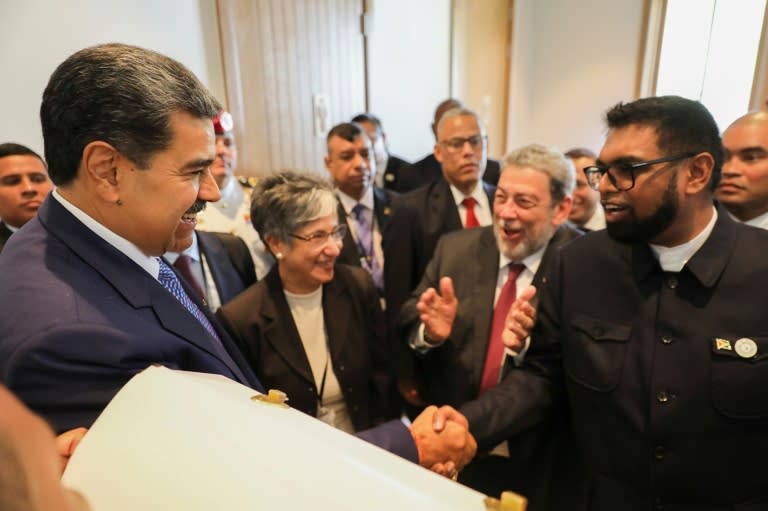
(176, 440)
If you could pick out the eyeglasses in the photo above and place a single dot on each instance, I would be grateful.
(457, 144)
(320, 238)
(623, 174)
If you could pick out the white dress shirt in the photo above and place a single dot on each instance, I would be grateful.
(483, 211)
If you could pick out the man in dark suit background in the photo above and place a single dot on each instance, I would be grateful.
(217, 265)
(455, 318)
(649, 333)
(458, 199)
(24, 184)
(129, 140)
(428, 169)
(388, 166)
(363, 207)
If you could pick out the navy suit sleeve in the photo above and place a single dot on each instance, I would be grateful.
(394, 437)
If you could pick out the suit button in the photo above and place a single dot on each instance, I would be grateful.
(666, 340)
(659, 452)
(341, 368)
(662, 396)
(672, 282)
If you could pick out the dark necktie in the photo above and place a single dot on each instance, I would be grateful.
(365, 243)
(171, 282)
(183, 263)
(469, 205)
(495, 352)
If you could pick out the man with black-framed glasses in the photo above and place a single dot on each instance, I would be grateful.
(651, 334)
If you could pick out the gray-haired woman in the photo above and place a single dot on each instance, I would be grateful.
(312, 328)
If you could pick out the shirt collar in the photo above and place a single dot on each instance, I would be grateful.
(149, 264)
(531, 262)
(478, 194)
(192, 252)
(674, 258)
(760, 221)
(348, 202)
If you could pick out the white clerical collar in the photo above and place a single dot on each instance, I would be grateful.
(531, 262)
(149, 264)
(674, 258)
(348, 202)
(10, 227)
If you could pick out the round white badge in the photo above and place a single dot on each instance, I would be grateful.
(745, 348)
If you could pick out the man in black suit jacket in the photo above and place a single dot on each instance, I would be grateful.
(423, 215)
(221, 266)
(388, 166)
(429, 169)
(351, 165)
(650, 333)
(24, 184)
(453, 348)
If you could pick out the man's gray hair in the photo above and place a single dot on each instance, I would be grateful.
(286, 201)
(458, 112)
(561, 172)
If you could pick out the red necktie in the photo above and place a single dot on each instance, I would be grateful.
(184, 265)
(495, 351)
(469, 204)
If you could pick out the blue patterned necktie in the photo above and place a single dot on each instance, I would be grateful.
(365, 244)
(171, 282)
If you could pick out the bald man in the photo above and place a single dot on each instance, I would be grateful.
(743, 189)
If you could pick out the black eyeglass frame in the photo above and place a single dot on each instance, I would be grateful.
(600, 170)
(321, 237)
(453, 143)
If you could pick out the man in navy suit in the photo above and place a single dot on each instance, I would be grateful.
(87, 302)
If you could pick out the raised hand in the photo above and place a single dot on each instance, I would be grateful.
(520, 320)
(437, 311)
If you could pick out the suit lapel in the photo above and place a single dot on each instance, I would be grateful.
(350, 254)
(224, 276)
(382, 207)
(444, 211)
(280, 329)
(133, 283)
(338, 326)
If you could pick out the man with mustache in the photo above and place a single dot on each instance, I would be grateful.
(363, 207)
(651, 334)
(87, 300)
(24, 184)
(743, 189)
(456, 316)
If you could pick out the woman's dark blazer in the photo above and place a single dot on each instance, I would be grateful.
(260, 321)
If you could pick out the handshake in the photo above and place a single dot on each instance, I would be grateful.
(443, 440)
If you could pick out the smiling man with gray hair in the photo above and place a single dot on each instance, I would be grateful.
(456, 315)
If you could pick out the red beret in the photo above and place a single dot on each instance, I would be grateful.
(223, 123)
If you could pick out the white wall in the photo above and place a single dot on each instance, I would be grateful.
(37, 35)
(571, 61)
(409, 69)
